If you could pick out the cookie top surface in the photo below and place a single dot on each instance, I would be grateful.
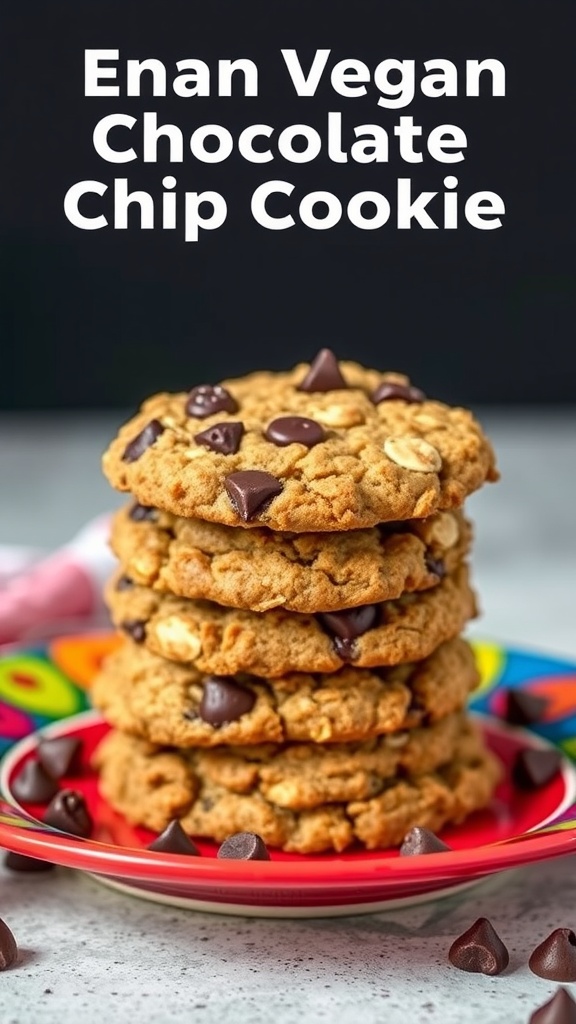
(129, 770)
(273, 643)
(322, 448)
(260, 569)
(175, 704)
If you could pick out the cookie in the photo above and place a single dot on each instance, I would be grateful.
(301, 572)
(331, 447)
(152, 786)
(300, 776)
(174, 704)
(225, 641)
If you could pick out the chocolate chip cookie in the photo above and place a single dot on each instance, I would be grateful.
(213, 796)
(302, 572)
(274, 643)
(175, 704)
(319, 448)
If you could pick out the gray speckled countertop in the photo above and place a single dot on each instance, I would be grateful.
(90, 954)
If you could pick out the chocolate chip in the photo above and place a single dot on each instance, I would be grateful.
(138, 445)
(351, 622)
(224, 700)
(421, 840)
(243, 846)
(479, 950)
(324, 374)
(143, 513)
(534, 768)
(174, 840)
(294, 430)
(524, 708)
(555, 958)
(124, 583)
(222, 437)
(436, 565)
(18, 862)
(389, 390)
(250, 490)
(33, 784)
(345, 626)
(206, 399)
(345, 648)
(8, 947)
(561, 1009)
(60, 756)
(68, 813)
(136, 628)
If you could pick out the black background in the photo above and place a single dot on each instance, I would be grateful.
(102, 318)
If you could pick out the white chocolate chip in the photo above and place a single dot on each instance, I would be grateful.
(321, 733)
(339, 416)
(413, 453)
(177, 639)
(143, 568)
(444, 529)
(284, 794)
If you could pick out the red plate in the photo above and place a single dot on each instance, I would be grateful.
(517, 828)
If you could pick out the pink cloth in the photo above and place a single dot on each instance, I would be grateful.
(61, 592)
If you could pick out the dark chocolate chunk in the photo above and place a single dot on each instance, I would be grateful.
(555, 958)
(143, 513)
(351, 622)
(294, 430)
(138, 445)
(124, 583)
(345, 626)
(524, 708)
(390, 390)
(8, 947)
(421, 840)
(250, 490)
(136, 628)
(345, 648)
(436, 565)
(243, 846)
(534, 768)
(222, 437)
(324, 374)
(206, 399)
(224, 700)
(479, 950)
(561, 1009)
(68, 813)
(19, 862)
(60, 756)
(33, 784)
(174, 840)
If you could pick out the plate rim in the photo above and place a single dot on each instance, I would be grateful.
(372, 873)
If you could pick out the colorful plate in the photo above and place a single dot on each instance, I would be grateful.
(38, 688)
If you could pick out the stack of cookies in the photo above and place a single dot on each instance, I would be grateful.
(291, 592)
